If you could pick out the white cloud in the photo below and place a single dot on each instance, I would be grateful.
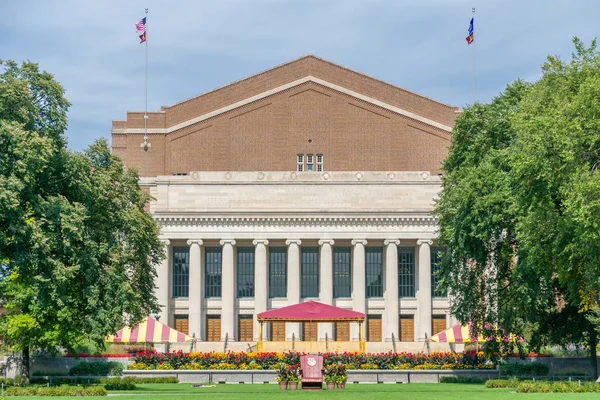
(196, 46)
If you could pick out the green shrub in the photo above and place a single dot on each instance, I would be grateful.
(448, 379)
(97, 368)
(65, 381)
(526, 387)
(524, 369)
(557, 387)
(119, 383)
(57, 391)
(7, 381)
(502, 383)
(462, 379)
(496, 383)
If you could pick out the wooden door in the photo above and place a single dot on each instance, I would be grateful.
(245, 328)
(213, 328)
(181, 324)
(438, 324)
(407, 328)
(342, 331)
(278, 331)
(374, 328)
(310, 331)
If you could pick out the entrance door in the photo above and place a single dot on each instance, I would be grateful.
(213, 328)
(245, 328)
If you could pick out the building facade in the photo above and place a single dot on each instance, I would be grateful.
(306, 181)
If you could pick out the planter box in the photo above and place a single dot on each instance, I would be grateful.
(354, 376)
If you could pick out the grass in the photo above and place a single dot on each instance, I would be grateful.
(412, 391)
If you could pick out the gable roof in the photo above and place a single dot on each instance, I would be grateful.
(311, 311)
(304, 69)
(148, 331)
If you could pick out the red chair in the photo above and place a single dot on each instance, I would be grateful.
(311, 371)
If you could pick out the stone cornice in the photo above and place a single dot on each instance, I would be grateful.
(249, 222)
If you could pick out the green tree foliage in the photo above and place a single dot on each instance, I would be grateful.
(77, 249)
(520, 206)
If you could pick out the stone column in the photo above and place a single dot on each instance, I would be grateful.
(359, 302)
(195, 289)
(326, 295)
(228, 291)
(391, 290)
(163, 283)
(293, 295)
(261, 290)
(423, 294)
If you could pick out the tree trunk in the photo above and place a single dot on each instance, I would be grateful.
(593, 345)
(25, 366)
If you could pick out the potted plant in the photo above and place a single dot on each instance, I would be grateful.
(282, 376)
(329, 381)
(330, 375)
(341, 376)
(293, 376)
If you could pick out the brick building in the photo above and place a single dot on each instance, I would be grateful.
(306, 181)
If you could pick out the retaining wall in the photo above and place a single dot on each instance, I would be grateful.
(354, 376)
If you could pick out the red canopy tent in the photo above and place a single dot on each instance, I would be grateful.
(311, 311)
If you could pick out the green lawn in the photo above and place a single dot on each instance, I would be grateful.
(416, 391)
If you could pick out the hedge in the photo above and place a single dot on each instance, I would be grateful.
(524, 369)
(57, 391)
(97, 368)
(462, 379)
(64, 381)
(246, 361)
(119, 384)
(502, 383)
(557, 387)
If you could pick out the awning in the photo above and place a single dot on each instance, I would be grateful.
(149, 331)
(311, 311)
(456, 334)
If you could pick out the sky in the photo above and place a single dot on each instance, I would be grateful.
(92, 48)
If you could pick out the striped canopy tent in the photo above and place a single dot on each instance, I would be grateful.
(456, 334)
(149, 331)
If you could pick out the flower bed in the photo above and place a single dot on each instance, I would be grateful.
(272, 361)
(103, 355)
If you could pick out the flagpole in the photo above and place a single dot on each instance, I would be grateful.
(146, 144)
(474, 63)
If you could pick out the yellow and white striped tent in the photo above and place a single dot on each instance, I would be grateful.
(149, 331)
(456, 334)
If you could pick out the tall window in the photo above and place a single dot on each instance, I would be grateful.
(309, 272)
(342, 272)
(300, 162)
(213, 269)
(277, 272)
(310, 166)
(436, 256)
(319, 162)
(245, 271)
(374, 271)
(406, 271)
(181, 271)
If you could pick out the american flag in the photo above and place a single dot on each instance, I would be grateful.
(141, 26)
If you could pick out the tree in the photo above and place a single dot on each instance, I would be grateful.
(520, 206)
(77, 249)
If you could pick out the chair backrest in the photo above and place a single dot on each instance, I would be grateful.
(311, 365)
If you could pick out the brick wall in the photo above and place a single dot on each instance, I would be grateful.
(307, 119)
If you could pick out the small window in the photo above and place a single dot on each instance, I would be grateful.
(300, 162)
(319, 162)
(309, 163)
